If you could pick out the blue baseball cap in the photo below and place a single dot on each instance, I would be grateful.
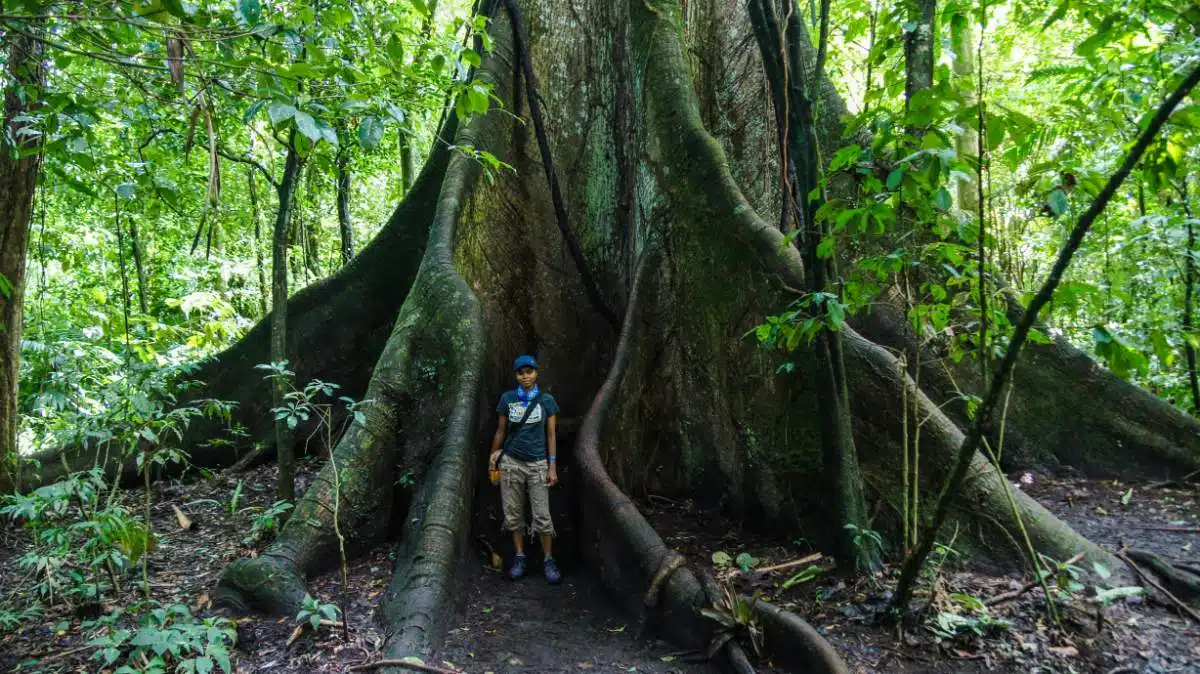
(524, 361)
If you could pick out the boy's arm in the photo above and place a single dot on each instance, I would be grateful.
(552, 449)
(498, 437)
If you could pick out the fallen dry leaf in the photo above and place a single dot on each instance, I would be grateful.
(1064, 651)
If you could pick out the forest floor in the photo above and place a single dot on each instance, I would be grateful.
(528, 626)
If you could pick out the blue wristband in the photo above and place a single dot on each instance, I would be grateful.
(552, 458)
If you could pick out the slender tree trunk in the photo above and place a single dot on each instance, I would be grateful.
(139, 264)
(343, 205)
(286, 487)
(310, 225)
(1189, 288)
(256, 214)
(962, 43)
(918, 53)
(407, 172)
(19, 167)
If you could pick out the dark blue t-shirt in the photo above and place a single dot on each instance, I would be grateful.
(527, 441)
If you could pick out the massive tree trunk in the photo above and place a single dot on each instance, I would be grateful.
(20, 161)
(674, 164)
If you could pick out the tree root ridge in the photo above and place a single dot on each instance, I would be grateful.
(1181, 578)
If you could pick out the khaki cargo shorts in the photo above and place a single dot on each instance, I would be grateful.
(518, 478)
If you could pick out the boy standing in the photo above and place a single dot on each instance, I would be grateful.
(526, 449)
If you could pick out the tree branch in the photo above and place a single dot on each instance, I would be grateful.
(250, 162)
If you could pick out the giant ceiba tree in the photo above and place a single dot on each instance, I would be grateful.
(637, 308)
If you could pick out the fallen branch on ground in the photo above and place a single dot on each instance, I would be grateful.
(1146, 577)
(816, 556)
(403, 663)
(302, 626)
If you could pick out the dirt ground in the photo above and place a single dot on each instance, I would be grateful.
(529, 626)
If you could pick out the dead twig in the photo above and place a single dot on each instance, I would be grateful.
(304, 625)
(1146, 577)
(816, 556)
(1009, 596)
(403, 663)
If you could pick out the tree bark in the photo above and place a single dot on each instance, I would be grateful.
(962, 43)
(286, 486)
(345, 226)
(918, 48)
(1189, 286)
(19, 168)
(264, 292)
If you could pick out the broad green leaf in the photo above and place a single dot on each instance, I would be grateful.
(895, 177)
(279, 113)
(395, 49)
(370, 132)
(1058, 201)
(942, 199)
(306, 125)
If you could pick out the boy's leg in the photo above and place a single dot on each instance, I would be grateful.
(539, 501)
(512, 495)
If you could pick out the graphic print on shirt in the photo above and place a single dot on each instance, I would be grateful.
(516, 410)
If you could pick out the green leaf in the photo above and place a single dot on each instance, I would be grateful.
(942, 198)
(825, 248)
(306, 125)
(395, 49)
(253, 110)
(721, 560)
(370, 132)
(837, 314)
(279, 113)
(204, 664)
(894, 178)
(1058, 201)
(1059, 12)
(251, 10)
(995, 131)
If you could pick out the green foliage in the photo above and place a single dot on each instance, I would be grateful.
(165, 639)
(312, 611)
(868, 542)
(267, 523)
(968, 618)
(82, 543)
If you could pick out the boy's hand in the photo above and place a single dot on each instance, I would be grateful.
(493, 458)
(552, 475)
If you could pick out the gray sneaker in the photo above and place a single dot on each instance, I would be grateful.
(553, 575)
(518, 568)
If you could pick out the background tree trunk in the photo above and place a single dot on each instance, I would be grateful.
(285, 490)
(345, 226)
(19, 167)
